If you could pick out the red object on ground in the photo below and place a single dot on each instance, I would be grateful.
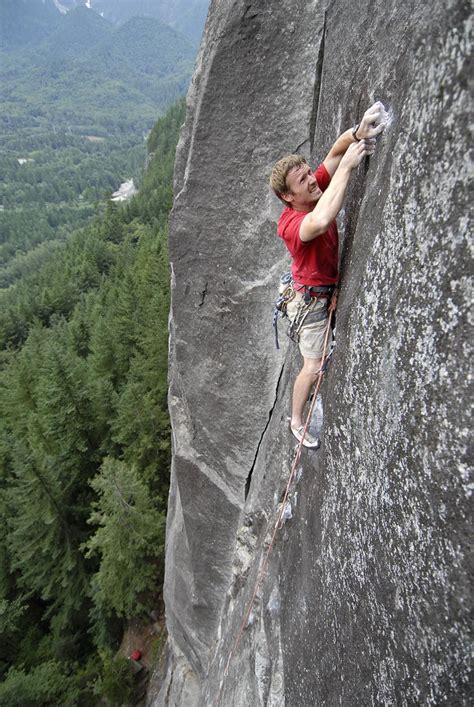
(136, 655)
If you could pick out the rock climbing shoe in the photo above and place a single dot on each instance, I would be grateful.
(309, 441)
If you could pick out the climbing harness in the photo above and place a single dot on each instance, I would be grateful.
(282, 506)
(315, 291)
(287, 292)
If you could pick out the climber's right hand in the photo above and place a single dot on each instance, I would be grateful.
(356, 152)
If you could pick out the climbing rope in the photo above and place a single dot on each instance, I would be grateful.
(262, 571)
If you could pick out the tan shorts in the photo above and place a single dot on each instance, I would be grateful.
(312, 333)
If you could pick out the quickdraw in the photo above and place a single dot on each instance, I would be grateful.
(286, 292)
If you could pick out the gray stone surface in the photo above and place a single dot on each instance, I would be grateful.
(365, 597)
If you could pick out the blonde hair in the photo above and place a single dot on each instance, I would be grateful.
(280, 173)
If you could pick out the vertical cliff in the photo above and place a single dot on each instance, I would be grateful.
(365, 597)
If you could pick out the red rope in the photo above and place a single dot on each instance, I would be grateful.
(263, 569)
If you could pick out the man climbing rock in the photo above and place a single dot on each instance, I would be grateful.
(307, 225)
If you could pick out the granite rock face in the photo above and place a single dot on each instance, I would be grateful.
(365, 597)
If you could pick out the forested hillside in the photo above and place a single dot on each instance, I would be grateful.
(85, 447)
(79, 97)
(25, 21)
(186, 16)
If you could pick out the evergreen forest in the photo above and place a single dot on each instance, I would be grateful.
(85, 443)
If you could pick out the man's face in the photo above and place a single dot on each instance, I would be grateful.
(303, 188)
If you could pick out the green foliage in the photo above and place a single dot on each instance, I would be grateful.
(86, 75)
(85, 444)
(63, 168)
(46, 684)
(115, 683)
(77, 103)
(130, 535)
(186, 17)
(52, 449)
(158, 644)
(22, 23)
(10, 614)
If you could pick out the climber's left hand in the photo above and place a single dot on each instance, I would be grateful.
(373, 122)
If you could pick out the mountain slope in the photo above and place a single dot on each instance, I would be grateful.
(25, 21)
(76, 33)
(143, 45)
(93, 75)
(76, 106)
(185, 16)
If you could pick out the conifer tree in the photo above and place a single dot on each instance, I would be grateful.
(128, 538)
(52, 454)
(46, 684)
(141, 424)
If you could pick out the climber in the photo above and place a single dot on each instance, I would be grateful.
(307, 226)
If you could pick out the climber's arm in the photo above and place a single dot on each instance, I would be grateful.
(318, 221)
(370, 126)
(337, 151)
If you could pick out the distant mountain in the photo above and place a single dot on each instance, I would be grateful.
(94, 74)
(185, 16)
(75, 34)
(143, 45)
(191, 20)
(26, 21)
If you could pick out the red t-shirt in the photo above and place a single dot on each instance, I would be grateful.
(314, 262)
